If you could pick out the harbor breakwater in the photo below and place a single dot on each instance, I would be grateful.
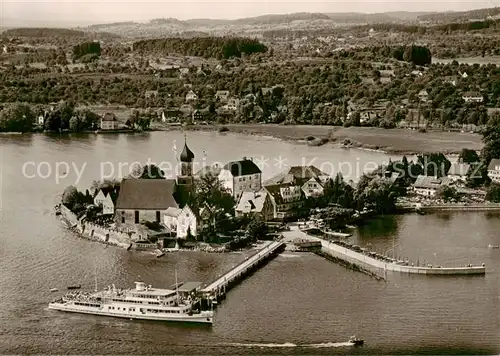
(373, 264)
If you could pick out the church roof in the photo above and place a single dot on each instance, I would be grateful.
(186, 155)
(147, 194)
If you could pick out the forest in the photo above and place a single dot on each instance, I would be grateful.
(206, 47)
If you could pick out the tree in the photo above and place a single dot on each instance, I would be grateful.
(434, 164)
(211, 193)
(17, 118)
(493, 193)
(148, 172)
(337, 191)
(376, 193)
(491, 139)
(256, 228)
(468, 156)
(446, 192)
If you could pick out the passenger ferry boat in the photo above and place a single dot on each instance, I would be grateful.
(143, 302)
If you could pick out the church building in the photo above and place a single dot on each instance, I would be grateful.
(156, 200)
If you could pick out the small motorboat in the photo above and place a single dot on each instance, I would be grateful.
(493, 246)
(54, 289)
(355, 341)
(75, 287)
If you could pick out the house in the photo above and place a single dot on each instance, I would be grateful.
(222, 95)
(473, 97)
(191, 96)
(241, 176)
(464, 75)
(106, 198)
(255, 203)
(183, 222)
(109, 122)
(311, 179)
(458, 171)
(428, 185)
(150, 94)
(417, 73)
(200, 71)
(171, 70)
(423, 95)
(232, 104)
(494, 170)
(183, 72)
(197, 116)
(285, 198)
(171, 115)
(41, 120)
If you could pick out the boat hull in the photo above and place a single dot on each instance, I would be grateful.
(180, 318)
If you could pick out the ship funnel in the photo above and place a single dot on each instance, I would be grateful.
(140, 286)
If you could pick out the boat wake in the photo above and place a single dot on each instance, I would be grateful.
(237, 344)
(289, 344)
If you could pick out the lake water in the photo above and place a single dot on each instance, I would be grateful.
(297, 304)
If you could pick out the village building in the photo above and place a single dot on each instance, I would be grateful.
(150, 94)
(106, 199)
(473, 97)
(222, 95)
(171, 115)
(458, 172)
(191, 96)
(183, 72)
(423, 95)
(184, 222)
(427, 186)
(494, 170)
(241, 176)
(256, 204)
(197, 116)
(109, 122)
(311, 179)
(156, 200)
(286, 199)
(232, 104)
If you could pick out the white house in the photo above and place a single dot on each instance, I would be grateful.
(191, 96)
(285, 199)
(255, 203)
(181, 221)
(232, 104)
(428, 185)
(109, 122)
(458, 171)
(423, 95)
(472, 97)
(41, 120)
(464, 75)
(313, 187)
(241, 176)
(222, 95)
(494, 170)
(105, 199)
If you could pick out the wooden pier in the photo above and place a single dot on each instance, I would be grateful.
(218, 288)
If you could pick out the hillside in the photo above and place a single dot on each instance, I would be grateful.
(445, 17)
(42, 32)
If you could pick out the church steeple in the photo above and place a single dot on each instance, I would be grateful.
(187, 155)
(185, 177)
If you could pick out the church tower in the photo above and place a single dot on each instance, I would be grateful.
(185, 178)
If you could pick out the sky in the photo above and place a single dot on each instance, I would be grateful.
(104, 11)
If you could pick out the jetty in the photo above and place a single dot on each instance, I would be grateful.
(367, 260)
(218, 288)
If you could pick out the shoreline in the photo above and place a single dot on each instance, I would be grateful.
(371, 139)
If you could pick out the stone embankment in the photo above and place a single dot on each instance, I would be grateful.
(95, 232)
